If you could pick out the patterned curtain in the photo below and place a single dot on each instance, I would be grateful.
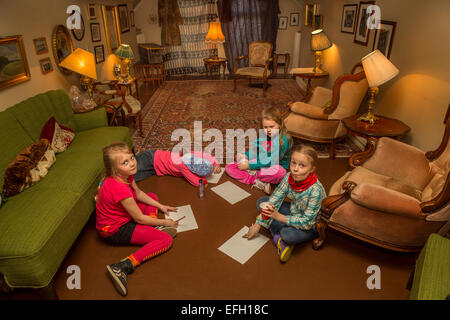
(245, 21)
(187, 58)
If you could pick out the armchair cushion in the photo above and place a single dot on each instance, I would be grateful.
(386, 200)
(351, 94)
(303, 126)
(402, 162)
(434, 187)
(308, 110)
(252, 71)
(320, 96)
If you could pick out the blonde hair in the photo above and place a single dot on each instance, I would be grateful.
(308, 151)
(273, 113)
(109, 156)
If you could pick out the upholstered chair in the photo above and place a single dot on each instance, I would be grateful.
(259, 58)
(394, 197)
(319, 119)
(116, 99)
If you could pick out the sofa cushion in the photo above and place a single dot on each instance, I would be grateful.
(34, 112)
(12, 140)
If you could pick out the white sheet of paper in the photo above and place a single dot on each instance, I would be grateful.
(187, 223)
(215, 177)
(230, 192)
(242, 249)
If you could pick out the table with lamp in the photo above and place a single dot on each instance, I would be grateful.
(214, 36)
(319, 43)
(378, 70)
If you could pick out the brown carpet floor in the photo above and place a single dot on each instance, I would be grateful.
(195, 269)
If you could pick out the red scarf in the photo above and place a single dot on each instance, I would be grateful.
(304, 184)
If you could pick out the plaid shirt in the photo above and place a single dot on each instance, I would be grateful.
(305, 206)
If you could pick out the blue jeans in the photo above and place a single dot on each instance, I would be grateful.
(145, 166)
(289, 234)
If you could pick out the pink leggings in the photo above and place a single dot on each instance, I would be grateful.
(273, 174)
(154, 241)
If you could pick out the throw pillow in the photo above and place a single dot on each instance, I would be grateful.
(58, 135)
(28, 167)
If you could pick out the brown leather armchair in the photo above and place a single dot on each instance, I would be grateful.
(319, 119)
(259, 58)
(394, 197)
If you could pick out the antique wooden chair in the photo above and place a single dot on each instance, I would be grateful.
(394, 197)
(259, 58)
(319, 119)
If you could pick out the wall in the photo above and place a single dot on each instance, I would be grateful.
(34, 19)
(420, 94)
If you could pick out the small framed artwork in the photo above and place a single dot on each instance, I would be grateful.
(92, 11)
(362, 32)
(384, 37)
(78, 34)
(13, 62)
(124, 22)
(349, 12)
(310, 12)
(46, 65)
(95, 32)
(99, 53)
(294, 19)
(40, 44)
(282, 24)
(132, 18)
(317, 22)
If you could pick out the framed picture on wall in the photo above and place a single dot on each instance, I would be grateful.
(310, 12)
(362, 32)
(99, 53)
(294, 19)
(132, 18)
(384, 37)
(95, 32)
(317, 22)
(124, 22)
(46, 65)
(92, 11)
(13, 62)
(283, 23)
(349, 13)
(40, 44)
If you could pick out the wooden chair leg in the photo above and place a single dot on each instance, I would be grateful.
(321, 228)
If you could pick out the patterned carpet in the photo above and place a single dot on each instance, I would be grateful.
(179, 103)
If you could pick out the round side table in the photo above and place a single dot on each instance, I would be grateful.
(308, 73)
(210, 62)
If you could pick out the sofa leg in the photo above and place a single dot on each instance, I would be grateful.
(48, 292)
(4, 288)
(321, 228)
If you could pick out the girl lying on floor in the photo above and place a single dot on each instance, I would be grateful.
(194, 166)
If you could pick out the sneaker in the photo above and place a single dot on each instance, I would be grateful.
(169, 230)
(276, 239)
(118, 273)
(264, 186)
(284, 250)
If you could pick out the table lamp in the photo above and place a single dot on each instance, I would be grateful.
(83, 63)
(125, 54)
(378, 70)
(215, 36)
(319, 43)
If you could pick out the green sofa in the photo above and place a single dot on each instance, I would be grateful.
(39, 225)
(432, 272)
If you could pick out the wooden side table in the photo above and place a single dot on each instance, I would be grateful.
(285, 63)
(210, 62)
(129, 85)
(308, 73)
(383, 127)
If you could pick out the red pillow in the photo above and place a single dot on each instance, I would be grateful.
(58, 135)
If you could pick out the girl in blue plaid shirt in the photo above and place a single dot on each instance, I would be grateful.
(291, 223)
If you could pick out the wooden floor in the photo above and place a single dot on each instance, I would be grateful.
(195, 269)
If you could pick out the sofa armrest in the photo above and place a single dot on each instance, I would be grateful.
(386, 200)
(308, 110)
(90, 120)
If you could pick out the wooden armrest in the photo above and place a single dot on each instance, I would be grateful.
(330, 203)
(359, 158)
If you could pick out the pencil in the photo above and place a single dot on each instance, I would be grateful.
(180, 218)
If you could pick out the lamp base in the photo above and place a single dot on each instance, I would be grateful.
(317, 62)
(368, 117)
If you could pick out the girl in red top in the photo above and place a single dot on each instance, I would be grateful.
(126, 215)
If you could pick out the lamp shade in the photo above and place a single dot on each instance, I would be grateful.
(378, 68)
(124, 51)
(215, 33)
(82, 62)
(319, 40)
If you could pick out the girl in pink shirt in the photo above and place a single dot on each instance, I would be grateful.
(193, 166)
(126, 215)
